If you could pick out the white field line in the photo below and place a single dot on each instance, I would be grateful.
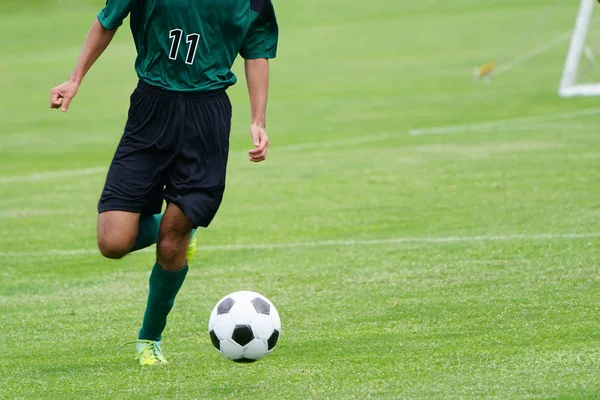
(43, 176)
(495, 128)
(33, 213)
(72, 173)
(335, 143)
(502, 124)
(334, 243)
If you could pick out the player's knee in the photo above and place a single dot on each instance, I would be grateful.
(171, 247)
(113, 248)
(117, 232)
(173, 238)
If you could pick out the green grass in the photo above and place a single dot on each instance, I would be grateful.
(462, 265)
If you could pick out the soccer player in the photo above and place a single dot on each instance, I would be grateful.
(176, 139)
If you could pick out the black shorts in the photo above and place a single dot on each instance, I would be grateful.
(174, 148)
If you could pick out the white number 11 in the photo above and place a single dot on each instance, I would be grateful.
(192, 39)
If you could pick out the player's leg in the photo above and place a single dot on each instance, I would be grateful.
(148, 229)
(150, 219)
(168, 273)
(117, 232)
(194, 191)
(173, 238)
(132, 194)
(167, 277)
(120, 233)
(196, 181)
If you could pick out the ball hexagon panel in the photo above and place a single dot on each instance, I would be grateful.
(231, 349)
(242, 313)
(211, 320)
(244, 295)
(256, 349)
(275, 318)
(262, 326)
(223, 326)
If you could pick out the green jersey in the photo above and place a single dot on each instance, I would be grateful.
(190, 45)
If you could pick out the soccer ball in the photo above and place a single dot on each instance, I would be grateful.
(244, 326)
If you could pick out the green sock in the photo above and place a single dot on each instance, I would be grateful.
(147, 231)
(164, 286)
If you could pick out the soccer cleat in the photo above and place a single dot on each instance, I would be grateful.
(147, 352)
(191, 250)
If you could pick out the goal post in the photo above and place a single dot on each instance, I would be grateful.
(569, 86)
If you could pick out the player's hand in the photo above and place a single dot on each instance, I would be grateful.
(261, 143)
(61, 96)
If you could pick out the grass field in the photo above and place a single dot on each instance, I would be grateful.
(459, 262)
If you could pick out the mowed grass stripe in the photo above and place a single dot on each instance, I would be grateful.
(326, 243)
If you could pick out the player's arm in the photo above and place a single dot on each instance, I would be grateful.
(96, 42)
(99, 37)
(260, 45)
(257, 78)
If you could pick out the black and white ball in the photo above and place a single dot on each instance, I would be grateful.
(244, 326)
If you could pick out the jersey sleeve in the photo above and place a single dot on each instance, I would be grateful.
(262, 37)
(112, 15)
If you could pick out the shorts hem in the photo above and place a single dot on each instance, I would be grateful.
(131, 209)
(185, 210)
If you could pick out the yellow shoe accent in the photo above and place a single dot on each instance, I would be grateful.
(148, 352)
(191, 250)
(151, 354)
